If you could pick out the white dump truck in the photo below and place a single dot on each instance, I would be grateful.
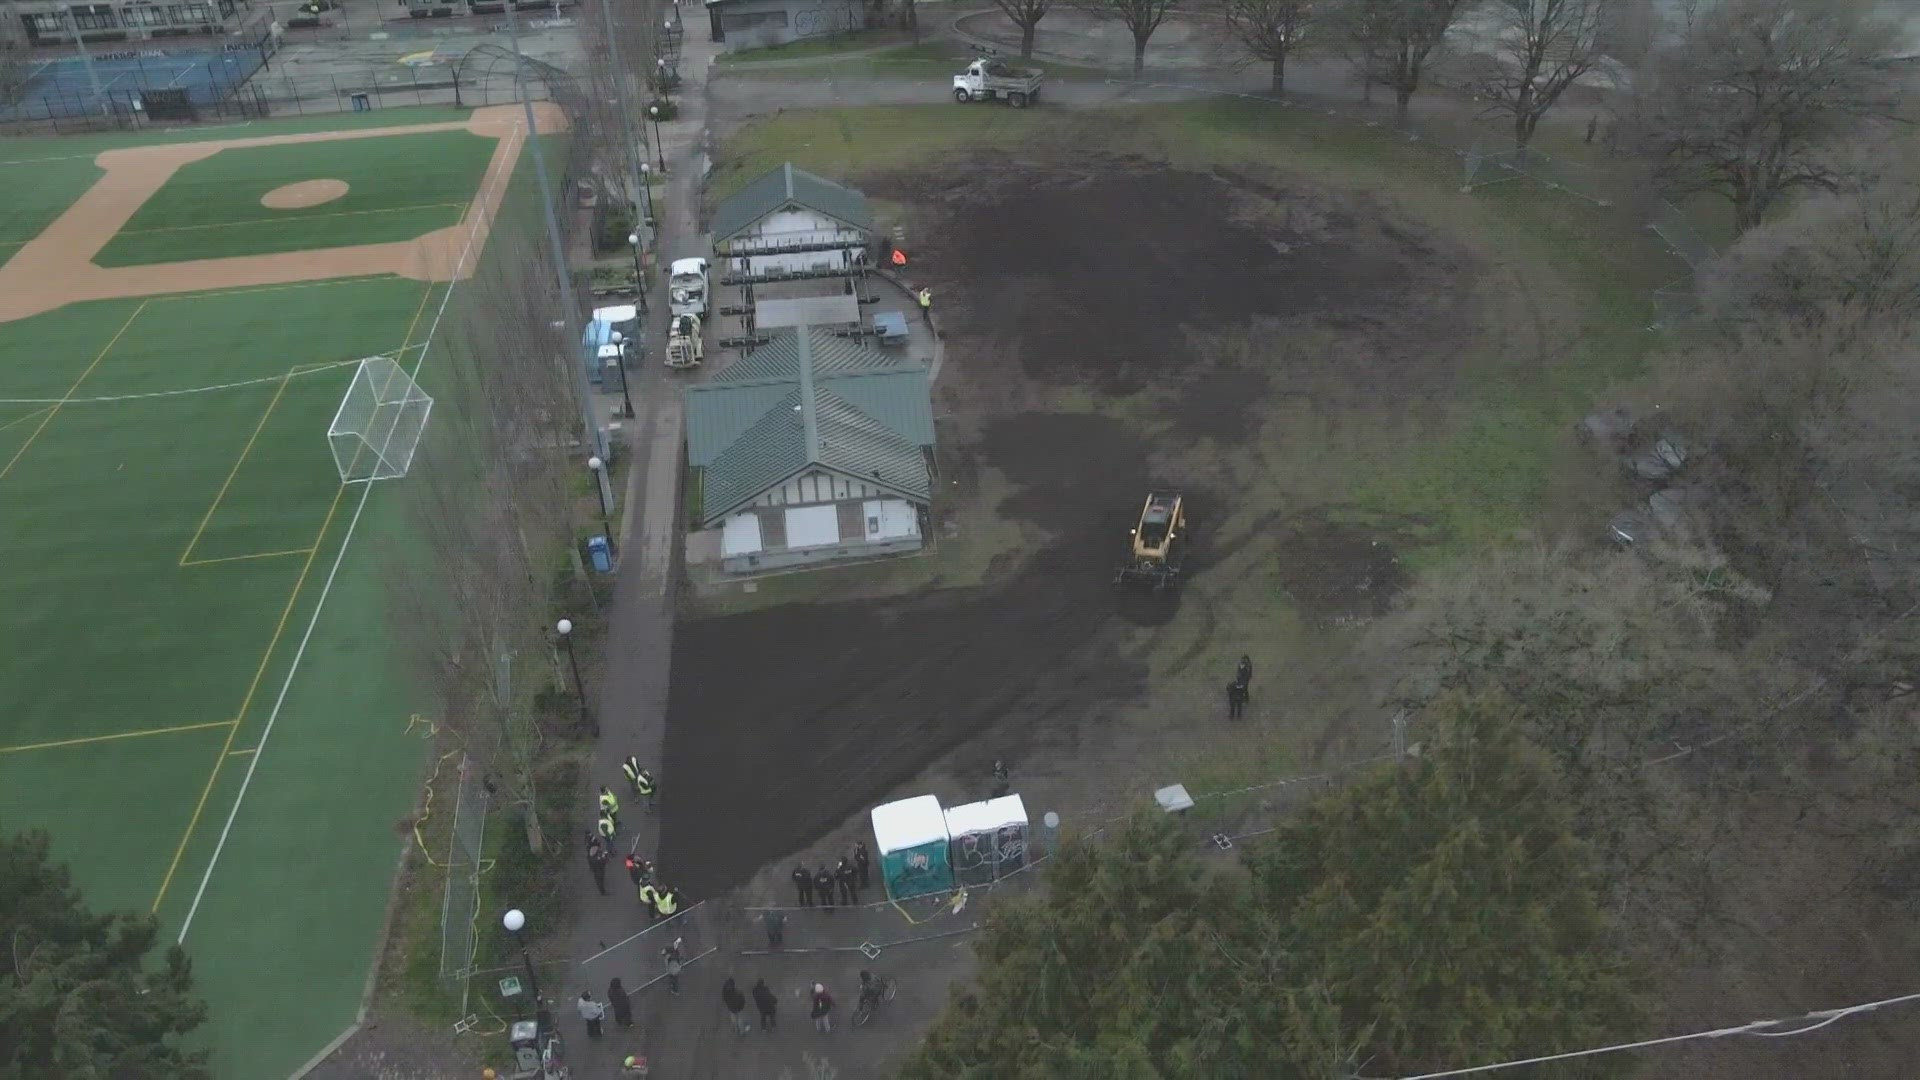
(687, 287)
(987, 78)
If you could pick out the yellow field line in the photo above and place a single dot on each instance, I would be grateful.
(273, 220)
(117, 735)
(259, 673)
(23, 419)
(54, 409)
(235, 471)
(253, 687)
(244, 558)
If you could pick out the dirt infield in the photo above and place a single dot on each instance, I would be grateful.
(56, 268)
(304, 194)
(1108, 284)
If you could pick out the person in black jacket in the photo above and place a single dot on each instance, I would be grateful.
(597, 863)
(862, 862)
(768, 1005)
(622, 1005)
(849, 883)
(803, 885)
(736, 1003)
(823, 884)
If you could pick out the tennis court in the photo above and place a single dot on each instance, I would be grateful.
(63, 87)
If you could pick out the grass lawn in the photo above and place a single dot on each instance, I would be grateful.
(150, 660)
(808, 48)
(399, 187)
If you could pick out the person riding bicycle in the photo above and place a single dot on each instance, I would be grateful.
(869, 991)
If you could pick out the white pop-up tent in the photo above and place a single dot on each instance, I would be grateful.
(987, 840)
(911, 837)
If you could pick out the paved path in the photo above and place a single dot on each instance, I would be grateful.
(630, 684)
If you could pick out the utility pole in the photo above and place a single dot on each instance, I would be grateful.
(86, 61)
(570, 330)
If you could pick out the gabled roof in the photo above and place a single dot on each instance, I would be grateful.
(810, 399)
(783, 187)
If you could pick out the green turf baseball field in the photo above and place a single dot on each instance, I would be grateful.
(201, 703)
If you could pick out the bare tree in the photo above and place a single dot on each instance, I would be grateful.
(1541, 48)
(15, 73)
(1393, 39)
(1752, 103)
(1140, 17)
(492, 501)
(1857, 250)
(1025, 14)
(1272, 30)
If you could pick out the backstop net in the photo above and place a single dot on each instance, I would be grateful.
(379, 423)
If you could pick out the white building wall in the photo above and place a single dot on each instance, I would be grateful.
(891, 527)
(818, 487)
(741, 536)
(812, 526)
(796, 227)
(891, 519)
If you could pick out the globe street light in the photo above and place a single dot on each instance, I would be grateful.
(626, 398)
(565, 627)
(515, 920)
(602, 488)
(654, 112)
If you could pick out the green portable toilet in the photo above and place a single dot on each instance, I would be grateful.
(911, 837)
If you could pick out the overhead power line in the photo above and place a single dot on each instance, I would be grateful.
(1812, 1021)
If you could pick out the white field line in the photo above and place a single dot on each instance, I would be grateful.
(346, 542)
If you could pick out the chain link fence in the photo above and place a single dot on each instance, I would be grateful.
(460, 906)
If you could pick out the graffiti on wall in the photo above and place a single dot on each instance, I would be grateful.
(818, 22)
(988, 855)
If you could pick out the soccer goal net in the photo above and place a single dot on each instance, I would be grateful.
(379, 423)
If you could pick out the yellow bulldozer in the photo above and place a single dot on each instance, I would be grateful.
(1159, 543)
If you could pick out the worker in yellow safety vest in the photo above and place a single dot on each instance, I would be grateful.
(647, 895)
(609, 804)
(607, 828)
(631, 767)
(664, 903)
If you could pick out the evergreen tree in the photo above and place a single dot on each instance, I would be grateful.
(76, 999)
(1433, 914)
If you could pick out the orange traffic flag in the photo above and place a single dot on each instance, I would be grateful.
(899, 257)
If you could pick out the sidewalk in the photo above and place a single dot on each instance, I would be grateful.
(630, 687)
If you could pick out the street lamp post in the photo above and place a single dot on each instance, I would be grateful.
(626, 398)
(646, 193)
(515, 920)
(653, 111)
(565, 627)
(604, 489)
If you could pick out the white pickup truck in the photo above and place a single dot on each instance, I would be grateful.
(986, 78)
(687, 287)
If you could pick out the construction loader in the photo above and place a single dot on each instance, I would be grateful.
(1158, 544)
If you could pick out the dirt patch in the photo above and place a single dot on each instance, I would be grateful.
(1152, 256)
(1110, 329)
(1340, 573)
(304, 194)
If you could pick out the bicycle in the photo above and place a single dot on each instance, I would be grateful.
(884, 989)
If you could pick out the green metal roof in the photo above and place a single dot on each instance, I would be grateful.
(783, 187)
(809, 399)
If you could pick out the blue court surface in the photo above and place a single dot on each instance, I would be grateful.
(61, 87)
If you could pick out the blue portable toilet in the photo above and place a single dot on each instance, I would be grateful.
(601, 553)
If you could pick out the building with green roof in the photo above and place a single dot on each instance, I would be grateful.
(813, 448)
